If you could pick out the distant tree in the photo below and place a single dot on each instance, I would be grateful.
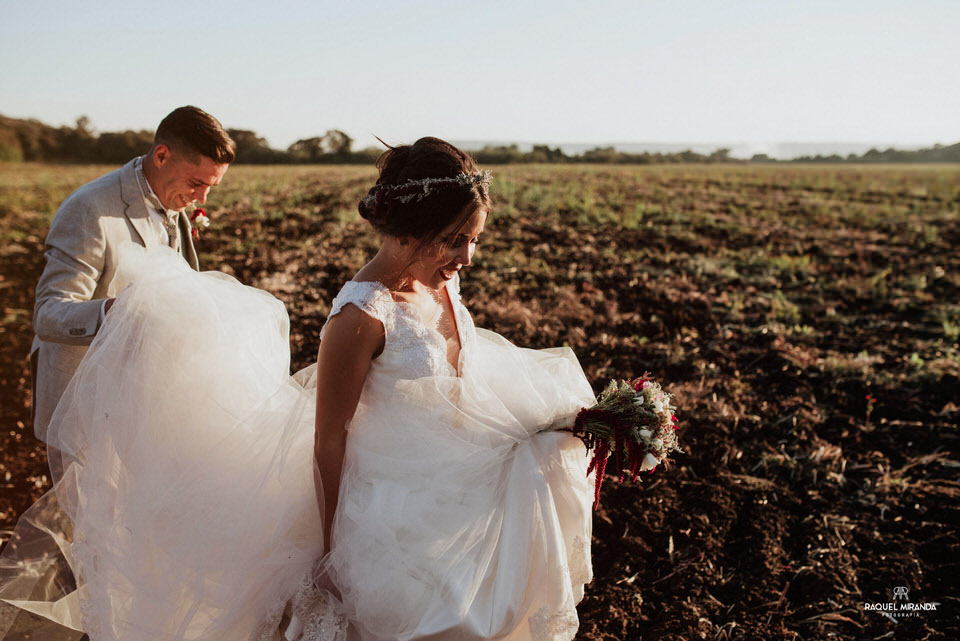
(333, 146)
(119, 147)
(306, 150)
(719, 155)
(246, 139)
(498, 154)
(253, 149)
(941, 153)
(336, 143)
(543, 153)
(602, 155)
(37, 140)
(84, 126)
(73, 143)
(10, 150)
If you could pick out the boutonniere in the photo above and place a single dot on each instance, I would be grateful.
(199, 220)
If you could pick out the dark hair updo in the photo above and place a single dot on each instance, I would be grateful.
(423, 217)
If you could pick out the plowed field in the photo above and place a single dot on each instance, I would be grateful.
(771, 300)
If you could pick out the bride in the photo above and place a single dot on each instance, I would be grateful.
(412, 484)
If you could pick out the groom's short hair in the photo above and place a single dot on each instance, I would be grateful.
(193, 130)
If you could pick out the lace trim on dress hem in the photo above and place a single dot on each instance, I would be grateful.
(580, 570)
(89, 618)
(314, 616)
(559, 626)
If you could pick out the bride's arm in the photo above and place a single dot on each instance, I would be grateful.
(350, 341)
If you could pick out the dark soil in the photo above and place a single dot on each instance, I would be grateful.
(796, 501)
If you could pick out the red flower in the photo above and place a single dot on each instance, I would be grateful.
(199, 220)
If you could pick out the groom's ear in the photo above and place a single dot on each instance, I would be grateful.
(160, 155)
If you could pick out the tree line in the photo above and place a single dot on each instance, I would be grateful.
(33, 141)
(937, 153)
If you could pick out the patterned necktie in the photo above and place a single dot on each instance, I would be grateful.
(171, 226)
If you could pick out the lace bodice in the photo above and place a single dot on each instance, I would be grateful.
(411, 349)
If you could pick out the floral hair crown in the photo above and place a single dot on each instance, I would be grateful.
(418, 189)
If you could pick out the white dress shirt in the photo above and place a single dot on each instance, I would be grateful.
(157, 216)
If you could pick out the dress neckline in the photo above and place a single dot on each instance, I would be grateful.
(414, 312)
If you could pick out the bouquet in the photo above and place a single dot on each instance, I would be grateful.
(633, 422)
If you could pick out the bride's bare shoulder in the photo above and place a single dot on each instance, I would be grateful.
(353, 330)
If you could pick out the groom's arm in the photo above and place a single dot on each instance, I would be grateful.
(65, 311)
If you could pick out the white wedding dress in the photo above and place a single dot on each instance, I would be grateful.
(463, 513)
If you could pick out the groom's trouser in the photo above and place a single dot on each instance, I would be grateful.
(47, 390)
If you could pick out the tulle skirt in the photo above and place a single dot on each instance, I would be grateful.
(189, 485)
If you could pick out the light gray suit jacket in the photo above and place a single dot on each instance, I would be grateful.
(81, 255)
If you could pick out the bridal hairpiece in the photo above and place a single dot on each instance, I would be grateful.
(418, 189)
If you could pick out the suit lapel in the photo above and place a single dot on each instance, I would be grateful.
(186, 241)
(134, 208)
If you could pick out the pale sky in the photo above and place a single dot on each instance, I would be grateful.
(598, 71)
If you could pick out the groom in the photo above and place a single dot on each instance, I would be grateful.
(143, 202)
